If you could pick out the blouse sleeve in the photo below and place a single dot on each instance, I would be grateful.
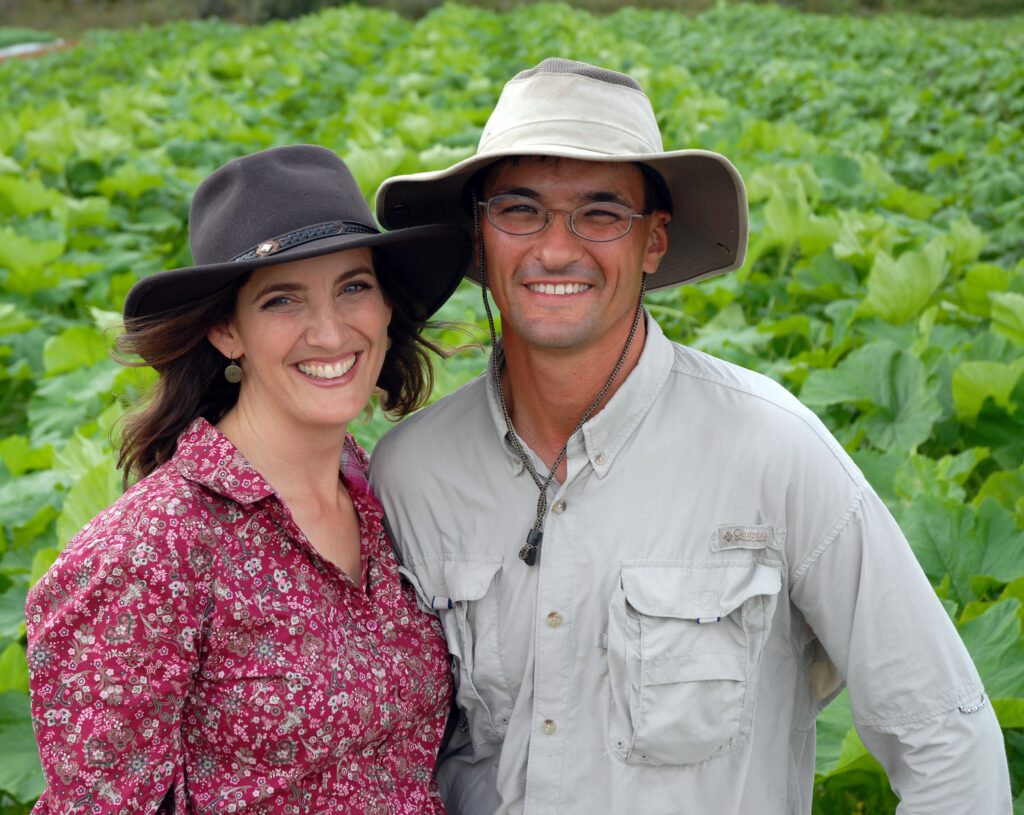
(114, 636)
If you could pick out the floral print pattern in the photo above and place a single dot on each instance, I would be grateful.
(190, 647)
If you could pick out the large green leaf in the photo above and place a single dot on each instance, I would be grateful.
(74, 348)
(899, 289)
(12, 321)
(21, 775)
(1008, 315)
(832, 727)
(18, 455)
(26, 255)
(997, 646)
(12, 612)
(964, 542)
(898, 401)
(24, 196)
(64, 402)
(974, 381)
(13, 668)
(99, 487)
(978, 284)
(21, 498)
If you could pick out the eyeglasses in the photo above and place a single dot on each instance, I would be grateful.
(598, 221)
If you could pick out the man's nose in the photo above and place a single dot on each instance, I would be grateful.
(557, 243)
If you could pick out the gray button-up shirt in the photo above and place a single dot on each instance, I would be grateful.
(713, 567)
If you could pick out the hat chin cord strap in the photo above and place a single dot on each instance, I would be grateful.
(530, 550)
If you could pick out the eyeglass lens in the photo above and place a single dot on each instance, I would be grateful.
(595, 221)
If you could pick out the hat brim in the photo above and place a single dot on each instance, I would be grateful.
(426, 262)
(707, 235)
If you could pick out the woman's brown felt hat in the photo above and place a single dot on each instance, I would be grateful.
(292, 203)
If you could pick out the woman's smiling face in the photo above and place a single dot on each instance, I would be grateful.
(311, 336)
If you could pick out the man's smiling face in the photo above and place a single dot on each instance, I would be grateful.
(556, 290)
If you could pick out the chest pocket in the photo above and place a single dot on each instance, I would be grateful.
(684, 647)
(465, 594)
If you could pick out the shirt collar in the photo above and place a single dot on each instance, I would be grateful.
(605, 434)
(206, 457)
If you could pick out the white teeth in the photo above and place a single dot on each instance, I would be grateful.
(333, 371)
(558, 288)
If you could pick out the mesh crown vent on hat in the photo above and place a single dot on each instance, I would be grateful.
(553, 65)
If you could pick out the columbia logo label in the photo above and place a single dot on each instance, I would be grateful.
(755, 534)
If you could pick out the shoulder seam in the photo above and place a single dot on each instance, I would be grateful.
(826, 543)
(854, 475)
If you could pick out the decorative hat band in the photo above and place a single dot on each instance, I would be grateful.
(297, 237)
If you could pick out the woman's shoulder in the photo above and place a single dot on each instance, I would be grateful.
(162, 496)
(161, 521)
(148, 549)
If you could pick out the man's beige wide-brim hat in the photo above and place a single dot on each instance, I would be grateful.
(574, 110)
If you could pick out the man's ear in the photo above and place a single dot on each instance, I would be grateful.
(225, 339)
(657, 240)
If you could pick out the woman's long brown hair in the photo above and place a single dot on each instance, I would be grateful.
(191, 379)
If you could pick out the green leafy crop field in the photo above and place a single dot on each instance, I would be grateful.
(885, 284)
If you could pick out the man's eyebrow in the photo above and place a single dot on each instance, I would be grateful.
(612, 197)
(588, 197)
(286, 286)
(524, 191)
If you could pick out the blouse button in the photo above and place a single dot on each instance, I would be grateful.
(558, 507)
(554, 619)
(599, 459)
(549, 727)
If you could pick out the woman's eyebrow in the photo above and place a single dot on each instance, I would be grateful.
(286, 286)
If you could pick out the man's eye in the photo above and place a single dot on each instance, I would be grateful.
(518, 209)
(601, 215)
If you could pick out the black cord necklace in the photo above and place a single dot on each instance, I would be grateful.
(531, 549)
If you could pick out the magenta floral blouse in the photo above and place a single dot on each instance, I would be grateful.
(190, 641)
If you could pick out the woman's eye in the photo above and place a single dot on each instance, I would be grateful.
(355, 286)
(280, 300)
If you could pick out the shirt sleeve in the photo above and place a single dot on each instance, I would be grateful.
(917, 700)
(114, 633)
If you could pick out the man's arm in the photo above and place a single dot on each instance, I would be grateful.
(916, 697)
(954, 762)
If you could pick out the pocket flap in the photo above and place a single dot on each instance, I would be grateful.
(446, 582)
(702, 592)
(695, 668)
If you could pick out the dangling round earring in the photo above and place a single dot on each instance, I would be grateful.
(233, 373)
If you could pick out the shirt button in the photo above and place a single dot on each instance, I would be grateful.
(554, 619)
(558, 507)
(548, 728)
(599, 459)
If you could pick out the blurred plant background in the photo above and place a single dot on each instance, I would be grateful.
(884, 158)
(71, 17)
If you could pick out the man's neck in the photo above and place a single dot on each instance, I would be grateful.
(547, 391)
